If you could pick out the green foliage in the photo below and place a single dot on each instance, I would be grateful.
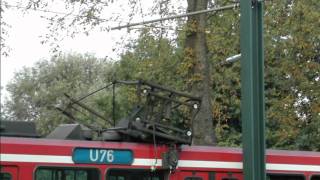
(292, 42)
(36, 91)
(292, 76)
(150, 58)
(224, 41)
(292, 69)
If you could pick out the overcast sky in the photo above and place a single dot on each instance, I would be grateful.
(24, 40)
(26, 28)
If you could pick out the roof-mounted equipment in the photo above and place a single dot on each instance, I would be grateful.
(18, 129)
(160, 114)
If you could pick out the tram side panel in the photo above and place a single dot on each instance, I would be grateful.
(30, 159)
(9, 171)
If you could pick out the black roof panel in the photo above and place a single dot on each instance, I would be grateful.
(18, 129)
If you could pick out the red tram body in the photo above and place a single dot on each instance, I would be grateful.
(71, 152)
(39, 159)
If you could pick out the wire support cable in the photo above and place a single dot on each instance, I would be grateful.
(232, 6)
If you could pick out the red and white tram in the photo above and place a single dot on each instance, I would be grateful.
(49, 159)
(69, 153)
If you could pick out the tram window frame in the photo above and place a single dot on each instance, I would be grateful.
(5, 173)
(286, 174)
(193, 178)
(314, 175)
(134, 170)
(58, 169)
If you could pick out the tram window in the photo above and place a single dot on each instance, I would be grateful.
(285, 177)
(315, 177)
(82, 175)
(60, 173)
(134, 174)
(5, 176)
(70, 174)
(44, 174)
(193, 178)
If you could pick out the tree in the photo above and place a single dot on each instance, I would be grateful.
(36, 91)
(90, 16)
(291, 79)
(4, 26)
(199, 80)
(224, 41)
(292, 73)
(291, 65)
(151, 58)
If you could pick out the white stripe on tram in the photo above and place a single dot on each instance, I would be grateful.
(209, 164)
(293, 167)
(151, 162)
(146, 162)
(36, 158)
(65, 159)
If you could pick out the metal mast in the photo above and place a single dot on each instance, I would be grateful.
(252, 89)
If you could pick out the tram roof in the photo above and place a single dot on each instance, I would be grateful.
(133, 145)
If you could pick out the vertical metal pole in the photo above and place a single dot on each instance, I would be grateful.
(252, 89)
(114, 104)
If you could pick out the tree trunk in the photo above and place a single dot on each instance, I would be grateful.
(196, 50)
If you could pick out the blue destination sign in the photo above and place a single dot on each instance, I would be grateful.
(102, 156)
